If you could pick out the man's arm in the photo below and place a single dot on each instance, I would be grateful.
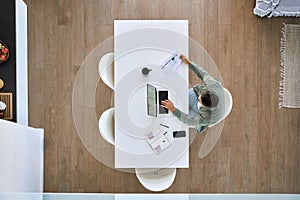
(202, 119)
(199, 120)
(199, 71)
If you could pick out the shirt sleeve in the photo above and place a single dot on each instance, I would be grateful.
(192, 121)
(199, 71)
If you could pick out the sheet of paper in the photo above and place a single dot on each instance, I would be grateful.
(158, 141)
(173, 61)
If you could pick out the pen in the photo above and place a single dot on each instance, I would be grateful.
(165, 132)
(167, 62)
(172, 58)
(164, 125)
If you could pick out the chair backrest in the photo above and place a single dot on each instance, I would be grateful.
(156, 179)
(107, 126)
(228, 106)
(106, 69)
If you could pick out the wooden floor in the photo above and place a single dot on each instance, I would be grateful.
(258, 151)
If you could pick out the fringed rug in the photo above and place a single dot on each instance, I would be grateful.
(289, 95)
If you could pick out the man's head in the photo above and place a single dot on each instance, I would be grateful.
(209, 99)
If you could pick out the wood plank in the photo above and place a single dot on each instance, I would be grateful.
(277, 116)
(50, 150)
(237, 136)
(223, 185)
(77, 163)
(238, 32)
(224, 55)
(144, 9)
(36, 28)
(211, 171)
(197, 165)
(77, 151)
(251, 110)
(211, 32)
(91, 176)
(65, 81)
(131, 183)
(118, 9)
(185, 8)
(91, 26)
(197, 53)
(251, 55)
(297, 128)
(197, 13)
(264, 116)
(171, 9)
(117, 181)
(50, 53)
(36, 105)
(291, 157)
(224, 12)
(104, 14)
(158, 9)
(77, 29)
(250, 159)
(63, 159)
(64, 11)
(225, 68)
(131, 8)
(182, 176)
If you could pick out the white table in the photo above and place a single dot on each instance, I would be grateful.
(140, 43)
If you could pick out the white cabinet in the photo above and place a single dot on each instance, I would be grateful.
(21, 63)
(21, 158)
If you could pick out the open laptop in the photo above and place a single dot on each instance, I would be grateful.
(153, 96)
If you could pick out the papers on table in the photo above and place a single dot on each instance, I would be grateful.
(173, 61)
(158, 141)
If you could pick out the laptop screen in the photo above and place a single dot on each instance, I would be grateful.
(151, 100)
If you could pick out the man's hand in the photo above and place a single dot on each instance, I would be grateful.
(184, 59)
(168, 105)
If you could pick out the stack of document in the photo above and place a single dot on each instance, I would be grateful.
(173, 61)
(158, 142)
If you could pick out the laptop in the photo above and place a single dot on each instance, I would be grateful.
(153, 96)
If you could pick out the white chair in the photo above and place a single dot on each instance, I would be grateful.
(106, 125)
(228, 106)
(106, 69)
(214, 130)
(156, 179)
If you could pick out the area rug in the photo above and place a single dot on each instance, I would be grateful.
(289, 95)
(274, 8)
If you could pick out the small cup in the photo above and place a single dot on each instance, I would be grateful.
(146, 71)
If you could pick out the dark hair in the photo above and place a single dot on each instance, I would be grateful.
(209, 99)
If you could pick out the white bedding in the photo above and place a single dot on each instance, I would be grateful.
(274, 8)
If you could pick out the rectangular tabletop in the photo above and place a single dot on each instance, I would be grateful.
(149, 43)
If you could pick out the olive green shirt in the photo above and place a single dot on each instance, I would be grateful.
(207, 116)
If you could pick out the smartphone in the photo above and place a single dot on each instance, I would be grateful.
(178, 134)
(162, 95)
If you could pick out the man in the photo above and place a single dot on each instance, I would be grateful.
(206, 100)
